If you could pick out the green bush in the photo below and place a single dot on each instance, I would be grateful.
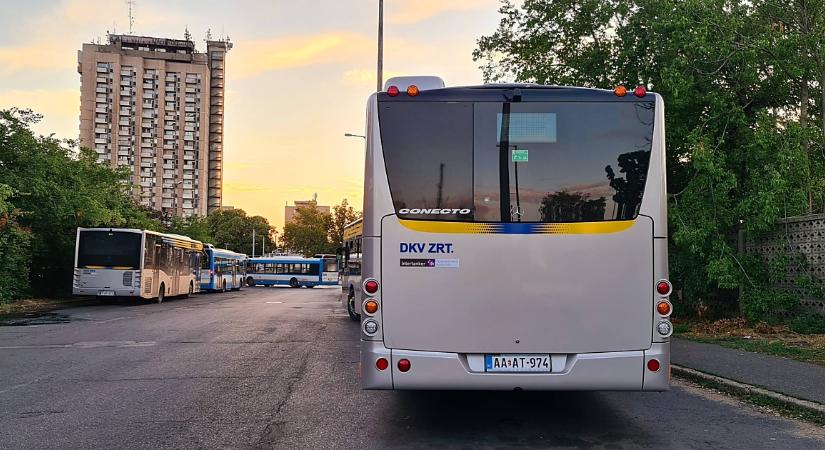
(15, 251)
(808, 324)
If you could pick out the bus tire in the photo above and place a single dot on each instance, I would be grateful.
(310, 286)
(250, 282)
(191, 291)
(293, 283)
(161, 293)
(351, 306)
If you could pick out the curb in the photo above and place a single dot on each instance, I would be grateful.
(747, 389)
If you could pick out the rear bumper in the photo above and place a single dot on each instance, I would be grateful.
(96, 291)
(620, 371)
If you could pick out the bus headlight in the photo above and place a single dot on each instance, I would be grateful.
(665, 328)
(370, 327)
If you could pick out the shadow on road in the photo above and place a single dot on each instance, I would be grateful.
(514, 418)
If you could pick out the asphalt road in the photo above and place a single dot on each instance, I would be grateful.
(276, 367)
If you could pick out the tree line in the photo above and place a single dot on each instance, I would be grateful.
(744, 89)
(49, 187)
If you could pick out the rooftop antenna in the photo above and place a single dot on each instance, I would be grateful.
(131, 15)
(187, 36)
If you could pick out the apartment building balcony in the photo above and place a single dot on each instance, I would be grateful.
(191, 79)
(102, 70)
(149, 85)
(148, 95)
(101, 90)
(125, 82)
(191, 90)
(169, 108)
(101, 130)
(189, 147)
(188, 157)
(146, 184)
(126, 102)
(126, 92)
(101, 120)
(188, 176)
(101, 141)
(189, 109)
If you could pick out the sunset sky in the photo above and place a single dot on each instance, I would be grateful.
(297, 79)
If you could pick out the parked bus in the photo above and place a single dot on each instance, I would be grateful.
(118, 262)
(222, 269)
(294, 271)
(351, 269)
(514, 237)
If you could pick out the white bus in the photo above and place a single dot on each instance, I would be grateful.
(351, 269)
(118, 262)
(294, 271)
(515, 237)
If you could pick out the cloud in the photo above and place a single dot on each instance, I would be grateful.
(364, 77)
(407, 13)
(35, 56)
(255, 57)
(50, 103)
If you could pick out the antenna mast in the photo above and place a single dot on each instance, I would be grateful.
(131, 15)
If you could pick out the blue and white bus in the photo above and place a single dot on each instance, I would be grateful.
(221, 269)
(294, 271)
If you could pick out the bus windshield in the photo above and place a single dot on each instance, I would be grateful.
(109, 249)
(517, 162)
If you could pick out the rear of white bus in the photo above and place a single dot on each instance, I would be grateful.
(515, 237)
(108, 262)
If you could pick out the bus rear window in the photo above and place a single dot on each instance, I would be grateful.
(109, 249)
(517, 162)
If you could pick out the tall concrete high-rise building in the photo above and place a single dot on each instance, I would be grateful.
(155, 106)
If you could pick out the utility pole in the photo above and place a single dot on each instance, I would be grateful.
(380, 83)
(253, 242)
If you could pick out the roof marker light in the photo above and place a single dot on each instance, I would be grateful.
(640, 91)
(392, 91)
(412, 90)
(620, 91)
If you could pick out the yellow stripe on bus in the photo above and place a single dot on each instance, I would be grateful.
(605, 227)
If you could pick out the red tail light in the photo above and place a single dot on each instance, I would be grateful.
(640, 91)
(404, 365)
(392, 91)
(653, 365)
(382, 363)
(663, 287)
(371, 286)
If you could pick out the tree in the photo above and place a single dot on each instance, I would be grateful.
(736, 77)
(58, 188)
(308, 233)
(232, 229)
(15, 255)
(195, 227)
(342, 215)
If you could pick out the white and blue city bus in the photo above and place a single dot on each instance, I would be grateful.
(514, 237)
(221, 269)
(293, 271)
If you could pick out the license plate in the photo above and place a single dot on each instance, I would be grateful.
(106, 293)
(517, 363)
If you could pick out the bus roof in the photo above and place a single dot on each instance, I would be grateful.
(175, 240)
(354, 229)
(283, 258)
(521, 92)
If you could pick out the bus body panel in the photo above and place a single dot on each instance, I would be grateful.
(557, 294)
(261, 271)
(601, 325)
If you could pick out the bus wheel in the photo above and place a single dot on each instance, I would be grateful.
(351, 307)
(161, 293)
(191, 290)
(310, 286)
(294, 283)
(250, 282)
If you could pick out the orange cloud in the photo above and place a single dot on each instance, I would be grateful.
(289, 52)
(407, 13)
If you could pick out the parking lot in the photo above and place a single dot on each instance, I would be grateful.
(277, 367)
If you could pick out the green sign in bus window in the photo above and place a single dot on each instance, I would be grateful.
(519, 155)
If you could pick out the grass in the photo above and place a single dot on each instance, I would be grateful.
(38, 305)
(776, 340)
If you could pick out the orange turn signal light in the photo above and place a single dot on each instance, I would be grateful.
(412, 90)
(620, 91)
(371, 306)
(663, 308)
